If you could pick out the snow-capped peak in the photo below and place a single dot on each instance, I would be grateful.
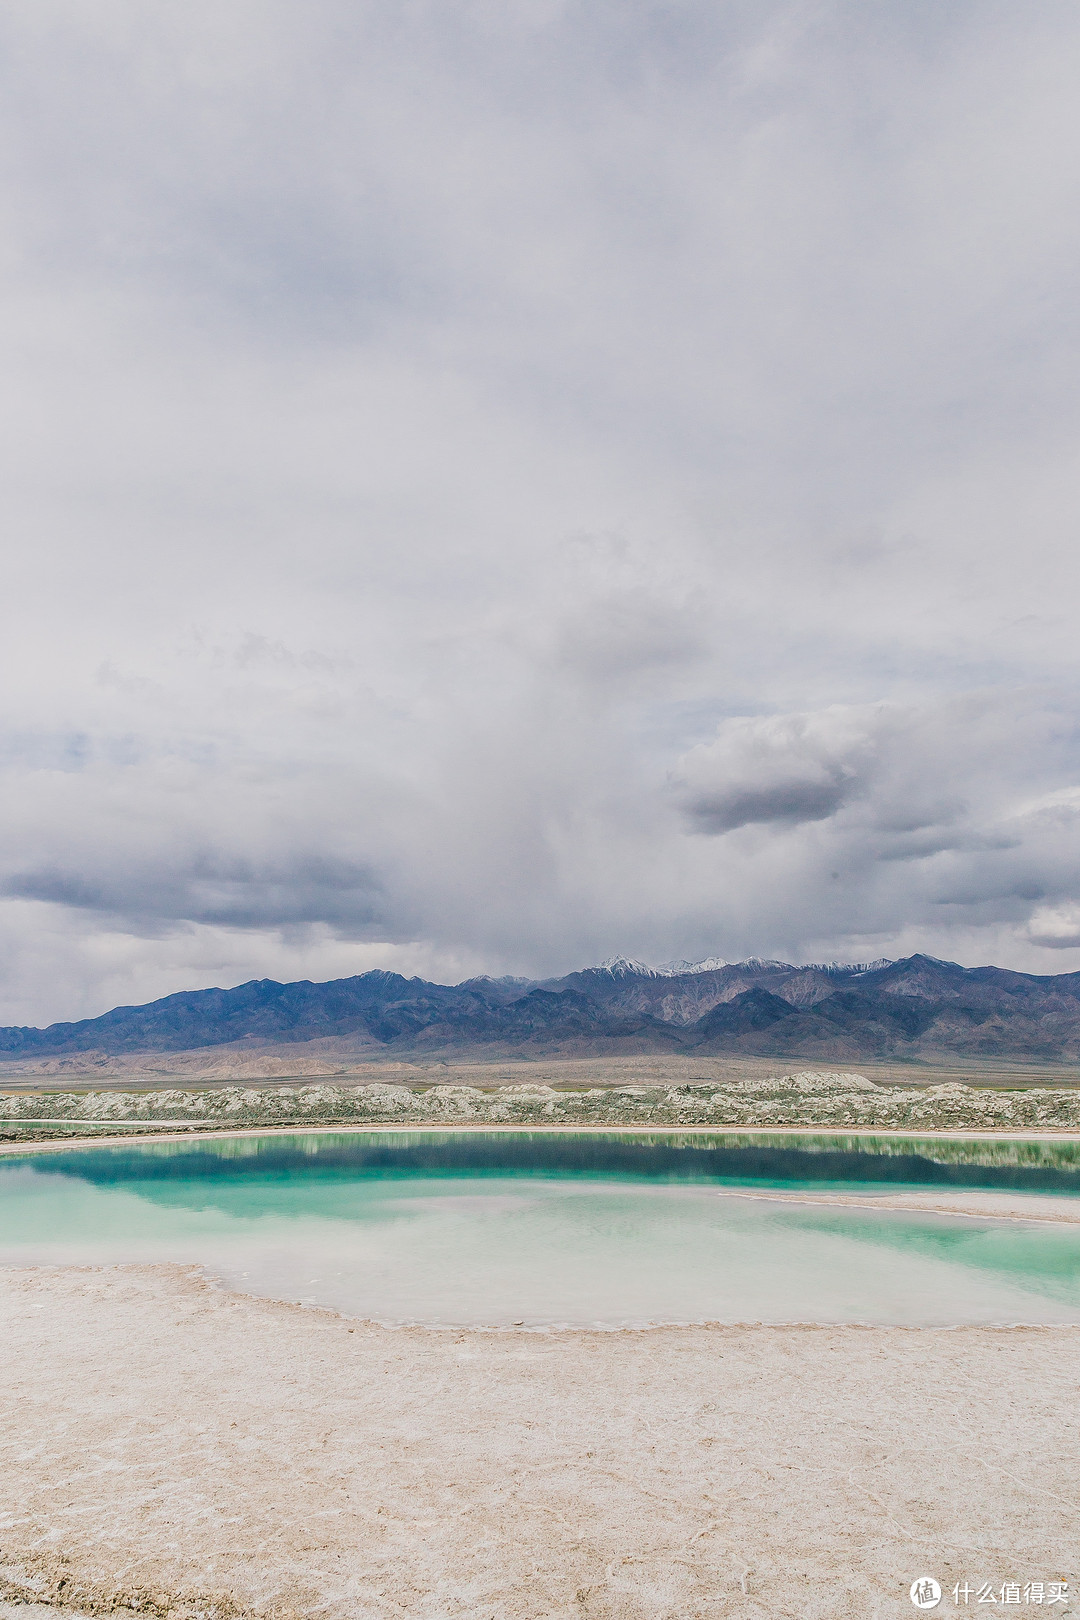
(624, 967)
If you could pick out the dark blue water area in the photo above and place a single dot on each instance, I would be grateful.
(185, 1169)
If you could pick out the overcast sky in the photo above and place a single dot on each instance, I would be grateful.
(492, 484)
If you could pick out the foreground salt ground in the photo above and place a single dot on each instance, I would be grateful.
(171, 1446)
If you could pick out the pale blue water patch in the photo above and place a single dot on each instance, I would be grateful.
(607, 1229)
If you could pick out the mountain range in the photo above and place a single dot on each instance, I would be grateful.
(919, 1008)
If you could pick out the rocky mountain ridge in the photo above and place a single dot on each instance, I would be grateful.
(916, 1008)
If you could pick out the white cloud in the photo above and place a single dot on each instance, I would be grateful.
(778, 768)
(501, 486)
(1057, 927)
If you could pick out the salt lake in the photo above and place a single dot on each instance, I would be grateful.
(604, 1229)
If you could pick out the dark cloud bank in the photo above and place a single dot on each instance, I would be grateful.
(492, 487)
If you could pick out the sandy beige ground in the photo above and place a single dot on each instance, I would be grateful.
(161, 1435)
(335, 1059)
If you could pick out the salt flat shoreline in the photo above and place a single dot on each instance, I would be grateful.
(1045, 1209)
(164, 1441)
(186, 1133)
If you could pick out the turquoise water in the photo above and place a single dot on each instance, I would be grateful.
(456, 1228)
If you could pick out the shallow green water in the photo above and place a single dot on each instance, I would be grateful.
(605, 1228)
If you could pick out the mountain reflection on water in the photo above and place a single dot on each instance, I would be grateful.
(742, 1159)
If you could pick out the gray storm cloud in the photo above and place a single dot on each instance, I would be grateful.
(487, 488)
(786, 768)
